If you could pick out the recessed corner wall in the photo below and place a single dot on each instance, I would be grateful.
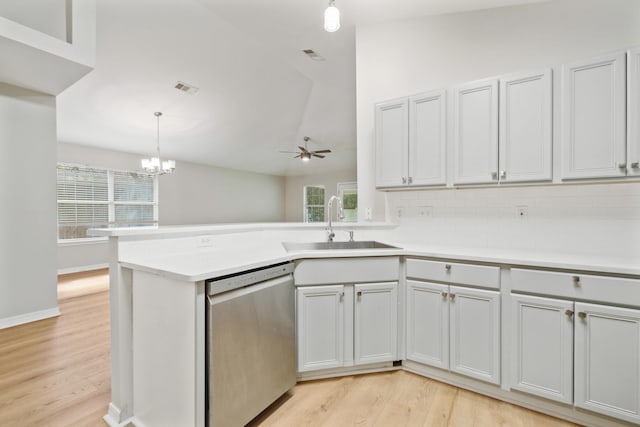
(28, 213)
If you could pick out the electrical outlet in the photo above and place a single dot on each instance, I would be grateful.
(368, 214)
(522, 212)
(400, 210)
(425, 212)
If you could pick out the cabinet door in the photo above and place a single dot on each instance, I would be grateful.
(543, 347)
(476, 133)
(475, 333)
(594, 118)
(391, 143)
(375, 322)
(427, 143)
(428, 323)
(633, 115)
(320, 327)
(525, 127)
(607, 360)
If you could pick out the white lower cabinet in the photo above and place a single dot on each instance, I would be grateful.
(578, 353)
(543, 347)
(607, 360)
(341, 325)
(455, 328)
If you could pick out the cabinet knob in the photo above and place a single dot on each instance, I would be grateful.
(444, 294)
(503, 174)
(410, 180)
(452, 296)
(341, 296)
(635, 165)
(447, 267)
(404, 180)
(494, 175)
(622, 165)
(582, 315)
(569, 313)
(576, 280)
(359, 294)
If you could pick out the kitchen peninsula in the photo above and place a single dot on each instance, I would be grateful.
(158, 321)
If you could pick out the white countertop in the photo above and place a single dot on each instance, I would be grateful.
(198, 264)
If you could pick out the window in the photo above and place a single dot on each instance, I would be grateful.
(98, 198)
(348, 193)
(313, 203)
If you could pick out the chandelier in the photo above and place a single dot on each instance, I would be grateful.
(155, 165)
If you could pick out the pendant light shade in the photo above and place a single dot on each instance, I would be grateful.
(331, 18)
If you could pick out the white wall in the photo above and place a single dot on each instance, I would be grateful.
(295, 184)
(193, 194)
(413, 56)
(46, 16)
(28, 212)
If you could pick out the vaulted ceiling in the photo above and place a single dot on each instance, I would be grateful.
(258, 92)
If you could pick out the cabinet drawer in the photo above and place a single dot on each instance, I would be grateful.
(346, 270)
(469, 274)
(614, 290)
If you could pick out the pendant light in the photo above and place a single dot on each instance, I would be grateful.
(331, 18)
(155, 165)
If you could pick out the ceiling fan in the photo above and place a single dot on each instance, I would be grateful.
(305, 154)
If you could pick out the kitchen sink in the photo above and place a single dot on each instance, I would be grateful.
(322, 246)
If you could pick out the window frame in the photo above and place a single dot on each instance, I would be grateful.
(305, 205)
(347, 186)
(111, 202)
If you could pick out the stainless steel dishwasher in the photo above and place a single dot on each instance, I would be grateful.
(251, 356)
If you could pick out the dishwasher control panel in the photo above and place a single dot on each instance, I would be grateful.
(247, 278)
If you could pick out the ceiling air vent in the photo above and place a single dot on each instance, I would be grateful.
(311, 54)
(185, 87)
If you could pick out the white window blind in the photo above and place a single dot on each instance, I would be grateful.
(96, 198)
(313, 203)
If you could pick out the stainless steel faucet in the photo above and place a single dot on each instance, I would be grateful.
(340, 215)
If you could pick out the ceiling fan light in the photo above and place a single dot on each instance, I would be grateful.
(305, 157)
(331, 18)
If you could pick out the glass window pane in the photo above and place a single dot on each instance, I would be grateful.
(131, 187)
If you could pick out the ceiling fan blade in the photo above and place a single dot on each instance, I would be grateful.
(304, 150)
(298, 156)
(318, 155)
(289, 152)
(322, 151)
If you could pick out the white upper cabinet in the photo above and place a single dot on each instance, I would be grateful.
(525, 127)
(411, 141)
(594, 118)
(633, 117)
(427, 139)
(391, 143)
(607, 360)
(476, 133)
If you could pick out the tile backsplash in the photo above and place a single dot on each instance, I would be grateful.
(573, 218)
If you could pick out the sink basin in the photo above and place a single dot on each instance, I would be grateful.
(322, 246)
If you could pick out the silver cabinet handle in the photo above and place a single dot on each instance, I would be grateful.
(635, 165)
(410, 180)
(494, 175)
(444, 294)
(582, 315)
(503, 174)
(576, 280)
(622, 165)
(569, 313)
(341, 296)
(447, 267)
(404, 180)
(452, 296)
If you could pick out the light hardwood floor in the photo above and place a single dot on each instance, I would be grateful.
(55, 372)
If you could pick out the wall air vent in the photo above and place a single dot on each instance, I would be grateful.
(185, 87)
(311, 54)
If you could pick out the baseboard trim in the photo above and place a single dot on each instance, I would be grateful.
(20, 319)
(113, 417)
(82, 268)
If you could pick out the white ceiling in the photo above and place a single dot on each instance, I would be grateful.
(259, 93)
